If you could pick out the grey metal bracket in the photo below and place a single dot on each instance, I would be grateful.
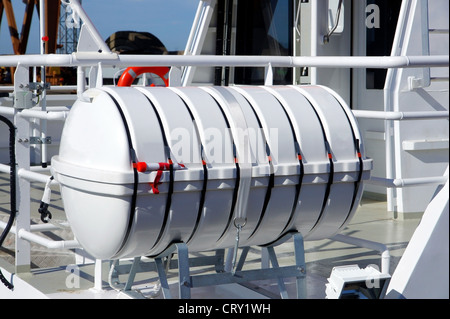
(38, 87)
(23, 97)
(40, 140)
(25, 91)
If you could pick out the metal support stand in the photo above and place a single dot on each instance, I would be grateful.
(187, 281)
(222, 274)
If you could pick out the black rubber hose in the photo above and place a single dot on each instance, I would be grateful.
(12, 191)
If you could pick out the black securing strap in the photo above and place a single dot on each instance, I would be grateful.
(135, 173)
(205, 175)
(331, 173)
(271, 183)
(238, 174)
(234, 200)
(361, 166)
(301, 171)
(201, 204)
(171, 175)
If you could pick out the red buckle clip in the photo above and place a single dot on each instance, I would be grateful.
(156, 182)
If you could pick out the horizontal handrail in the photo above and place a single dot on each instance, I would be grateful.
(40, 240)
(55, 88)
(44, 115)
(407, 182)
(382, 115)
(93, 59)
(35, 177)
(51, 114)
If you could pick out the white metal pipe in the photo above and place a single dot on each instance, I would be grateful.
(280, 61)
(62, 88)
(5, 110)
(385, 255)
(57, 109)
(56, 113)
(34, 75)
(81, 82)
(43, 121)
(45, 115)
(381, 115)
(33, 59)
(34, 177)
(52, 244)
(55, 88)
(42, 25)
(40, 169)
(47, 227)
(197, 36)
(98, 282)
(4, 168)
(193, 33)
(43, 99)
(52, 109)
(407, 182)
(93, 58)
(371, 62)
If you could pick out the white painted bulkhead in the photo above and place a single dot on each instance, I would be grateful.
(400, 149)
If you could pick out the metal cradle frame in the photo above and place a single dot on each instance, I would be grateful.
(186, 281)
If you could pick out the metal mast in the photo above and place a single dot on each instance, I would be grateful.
(69, 30)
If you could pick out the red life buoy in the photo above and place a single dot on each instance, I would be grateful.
(128, 76)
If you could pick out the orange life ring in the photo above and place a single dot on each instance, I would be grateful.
(128, 76)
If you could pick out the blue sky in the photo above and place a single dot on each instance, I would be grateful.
(169, 20)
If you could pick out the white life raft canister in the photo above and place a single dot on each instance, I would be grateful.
(140, 168)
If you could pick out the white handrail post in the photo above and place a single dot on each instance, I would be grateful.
(23, 248)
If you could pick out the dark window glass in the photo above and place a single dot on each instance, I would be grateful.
(380, 32)
(264, 27)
